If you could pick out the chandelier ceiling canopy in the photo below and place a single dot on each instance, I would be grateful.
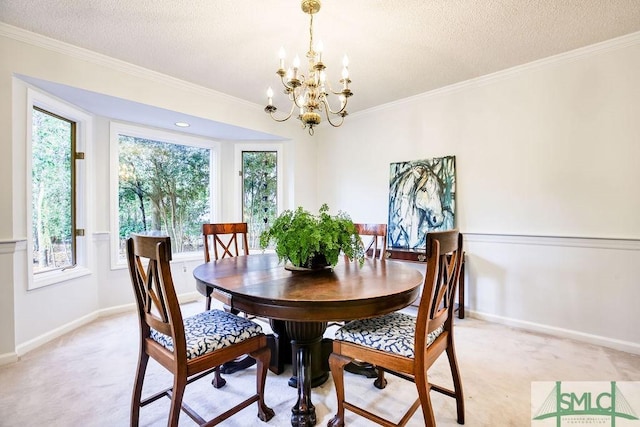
(309, 94)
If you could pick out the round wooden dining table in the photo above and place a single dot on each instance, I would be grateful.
(307, 300)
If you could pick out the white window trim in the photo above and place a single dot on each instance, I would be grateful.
(117, 128)
(84, 131)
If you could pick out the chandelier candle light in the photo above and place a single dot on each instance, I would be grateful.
(309, 93)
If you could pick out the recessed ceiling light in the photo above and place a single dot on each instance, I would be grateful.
(182, 124)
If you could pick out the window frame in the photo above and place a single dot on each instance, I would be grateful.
(72, 183)
(83, 133)
(115, 129)
(238, 187)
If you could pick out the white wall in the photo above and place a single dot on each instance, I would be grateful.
(29, 318)
(547, 184)
(549, 150)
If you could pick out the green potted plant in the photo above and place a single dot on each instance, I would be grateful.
(313, 241)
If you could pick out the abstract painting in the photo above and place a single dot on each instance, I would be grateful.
(421, 199)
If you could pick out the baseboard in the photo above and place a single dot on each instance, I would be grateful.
(25, 347)
(51, 335)
(626, 346)
(116, 310)
(8, 358)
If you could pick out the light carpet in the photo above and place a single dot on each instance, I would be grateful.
(85, 377)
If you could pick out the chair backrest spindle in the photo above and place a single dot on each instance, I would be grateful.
(223, 239)
(444, 260)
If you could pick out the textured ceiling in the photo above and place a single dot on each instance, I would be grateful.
(396, 48)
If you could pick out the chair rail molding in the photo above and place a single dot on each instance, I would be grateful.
(566, 241)
(9, 246)
(505, 279)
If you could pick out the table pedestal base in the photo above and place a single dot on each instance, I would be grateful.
(319, 363)
(304, 337)
(283, 352)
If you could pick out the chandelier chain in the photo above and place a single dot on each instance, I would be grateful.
(310, 33)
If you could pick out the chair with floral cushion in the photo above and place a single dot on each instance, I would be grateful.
(404, 345)
(189, 347)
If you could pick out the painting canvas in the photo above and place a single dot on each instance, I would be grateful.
(421, 199)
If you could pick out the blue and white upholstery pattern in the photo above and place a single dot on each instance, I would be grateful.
(209, 331)
(392, 333)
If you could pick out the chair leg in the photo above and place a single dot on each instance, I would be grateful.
(422, 384)
(337, 363)
(381, 381)
(218, 381)
(179, 384)
(262, 358)
(136, 397)
(457, 382)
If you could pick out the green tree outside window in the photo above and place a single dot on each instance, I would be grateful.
(165, 187)
(52, 190)
(259, 199)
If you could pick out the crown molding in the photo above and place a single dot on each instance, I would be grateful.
(83, 54)
(621, 42)
(38, 40)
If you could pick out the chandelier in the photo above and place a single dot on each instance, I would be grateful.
(308, 94)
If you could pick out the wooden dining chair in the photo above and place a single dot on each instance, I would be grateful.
(374, 238)
(225, 240)
(374, 247)
(405, 345)
(377, 242)
(191, 347)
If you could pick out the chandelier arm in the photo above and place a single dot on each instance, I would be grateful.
(328, 116)
(271, 113)
(294, 98)
(284, 83)
(339, 92)
(328, 107)
(333, 124)
(328, 84)
(333, 92)
(289, 88)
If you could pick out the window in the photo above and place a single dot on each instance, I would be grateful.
(259, 192)
(56, 181)
(259, 188)
(52, 191)
(164, 183)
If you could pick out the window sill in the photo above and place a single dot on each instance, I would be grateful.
(58, 276)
